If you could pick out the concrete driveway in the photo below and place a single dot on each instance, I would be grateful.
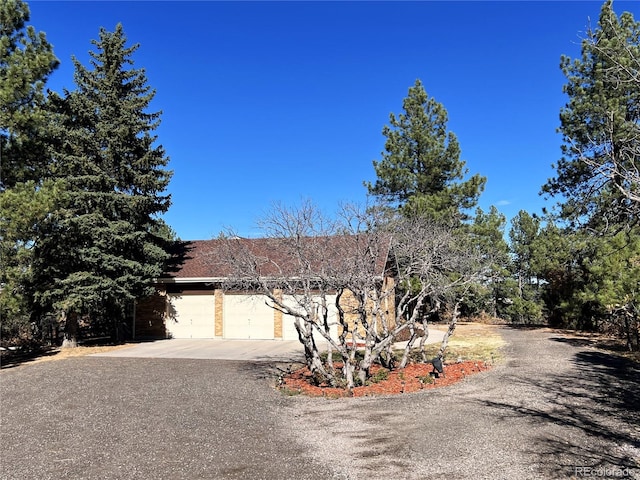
(213, 349)
(222, 349)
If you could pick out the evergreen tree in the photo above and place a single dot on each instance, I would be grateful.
(523, 236)
(105, 244)
(598, 172)
(612, 286)
(421, 170)
(487, 231)
(591, 279)
(523, 233)
(558, 257)
(26, 61)
(590, 282)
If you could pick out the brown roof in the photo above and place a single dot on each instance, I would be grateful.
(276, 256)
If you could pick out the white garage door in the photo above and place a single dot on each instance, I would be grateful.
(194, 316)
(289, 331)
(248, 316)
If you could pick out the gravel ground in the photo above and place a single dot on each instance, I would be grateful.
(117, 418)
(553, 406)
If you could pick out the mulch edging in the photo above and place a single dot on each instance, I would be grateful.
(412, 378)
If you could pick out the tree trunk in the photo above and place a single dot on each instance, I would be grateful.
(408, 347)
(365, 363)
(312, 355)
(423, 339)
(347, 371)
(71, 330)
(452, 327)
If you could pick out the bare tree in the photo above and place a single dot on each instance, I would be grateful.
(377, 274)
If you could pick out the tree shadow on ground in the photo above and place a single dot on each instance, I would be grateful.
(594, 340)
(270, 371)
(591, 413)
(24, 357)
(525, 326)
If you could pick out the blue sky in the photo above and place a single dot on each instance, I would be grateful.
(283, 101)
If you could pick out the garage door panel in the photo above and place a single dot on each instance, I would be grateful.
(192, 316)
(248, 317)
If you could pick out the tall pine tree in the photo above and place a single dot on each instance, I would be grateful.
(421, 171)
(598, 181)
(597, 176)
(103, 247)
(26, 61)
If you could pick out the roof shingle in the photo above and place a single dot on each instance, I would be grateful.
(277, 256)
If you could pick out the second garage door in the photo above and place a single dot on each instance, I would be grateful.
(248, 317)
(288, 328)
(192, 316)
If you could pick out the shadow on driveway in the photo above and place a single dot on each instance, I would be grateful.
(580, 412)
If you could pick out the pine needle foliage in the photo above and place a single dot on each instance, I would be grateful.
(421, 172)
(105, 243)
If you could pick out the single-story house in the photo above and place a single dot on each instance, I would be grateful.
(193, 302)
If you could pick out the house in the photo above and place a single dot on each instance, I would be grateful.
(195, 300)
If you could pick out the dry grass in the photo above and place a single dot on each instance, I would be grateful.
(471, 341)
(62, 354)
(608, 343)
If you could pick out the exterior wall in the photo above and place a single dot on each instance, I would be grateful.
(277, 318)
(390, 285)
(153, 312)
(150, 316)
(350, 304)
(219, 325)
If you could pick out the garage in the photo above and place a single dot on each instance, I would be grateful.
(288, 326)
(200, 298)
(248, 317)
(191, 316)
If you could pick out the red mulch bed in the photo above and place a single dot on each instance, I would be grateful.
(406, 380)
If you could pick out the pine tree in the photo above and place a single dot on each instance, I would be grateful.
(598, 172)
(523, 236)
(421, 170)
(558, 258)
(487, 231)
(104, 246)
(26, 61)
(613, 273)
(593, 277)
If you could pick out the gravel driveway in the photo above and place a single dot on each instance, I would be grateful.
(552, 407)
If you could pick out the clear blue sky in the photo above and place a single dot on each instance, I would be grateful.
(283, 101)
